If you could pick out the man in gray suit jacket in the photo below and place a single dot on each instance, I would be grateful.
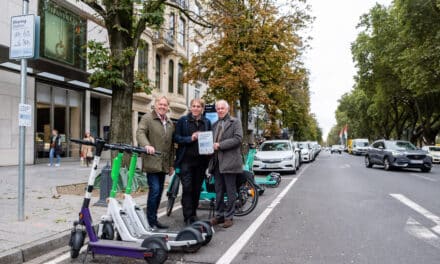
(226, 162)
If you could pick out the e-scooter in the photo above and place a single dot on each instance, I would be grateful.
(272, 180)
(190, 239)
(153, 249)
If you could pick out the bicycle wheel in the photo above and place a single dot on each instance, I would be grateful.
(247, 198)
(173, 190)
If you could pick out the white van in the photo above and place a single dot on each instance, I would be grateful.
(359, 146)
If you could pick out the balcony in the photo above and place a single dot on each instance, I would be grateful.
(164, 41)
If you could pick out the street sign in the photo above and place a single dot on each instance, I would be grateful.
(22, 44)
(24, 115)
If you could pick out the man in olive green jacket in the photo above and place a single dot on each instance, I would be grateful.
(155, 133)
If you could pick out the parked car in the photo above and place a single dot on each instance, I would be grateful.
(276, 155)
(306, 151)
(397, 154)
(336, 148)
(434, 152)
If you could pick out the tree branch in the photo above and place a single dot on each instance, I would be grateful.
(97, 7)
(188, 13)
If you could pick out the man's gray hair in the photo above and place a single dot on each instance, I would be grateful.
(223, 102)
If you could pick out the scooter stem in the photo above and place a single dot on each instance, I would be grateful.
(115, 173)
(131, 171)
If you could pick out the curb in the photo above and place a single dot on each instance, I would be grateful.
(43, 246)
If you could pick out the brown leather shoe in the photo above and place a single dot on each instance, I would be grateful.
(228, 223)
(215, 221)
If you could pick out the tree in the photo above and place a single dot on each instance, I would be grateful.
(250, 59)
(125, 21)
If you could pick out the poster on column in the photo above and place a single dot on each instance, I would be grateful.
(206, 143)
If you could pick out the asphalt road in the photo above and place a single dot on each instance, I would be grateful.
(335, 210)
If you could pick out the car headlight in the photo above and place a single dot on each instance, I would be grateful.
(256, 158)
(305, 152)
(288, 157)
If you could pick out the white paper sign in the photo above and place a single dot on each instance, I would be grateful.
(22, 37)
(206, 143)
(24, 115)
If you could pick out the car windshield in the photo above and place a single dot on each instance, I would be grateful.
(434, 148)
(400, 145)
(275, 146)
(302, 145)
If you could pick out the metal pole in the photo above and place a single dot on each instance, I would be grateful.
(22, 131)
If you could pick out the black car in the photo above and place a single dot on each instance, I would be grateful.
(397, 154)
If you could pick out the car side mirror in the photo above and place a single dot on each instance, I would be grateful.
(380, 147)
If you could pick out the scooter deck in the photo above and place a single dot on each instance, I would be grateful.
(118, 248)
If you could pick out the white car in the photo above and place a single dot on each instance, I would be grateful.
(276, 155)
(306, 151)
(434, 152)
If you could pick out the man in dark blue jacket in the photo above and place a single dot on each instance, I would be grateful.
(192, 165)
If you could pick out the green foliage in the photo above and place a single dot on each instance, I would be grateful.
(255, 59)
(398, 82)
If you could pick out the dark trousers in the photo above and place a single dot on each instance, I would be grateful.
(225, 183)
(155, 189)
(191, 176)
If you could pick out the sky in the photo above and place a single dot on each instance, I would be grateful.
(329, 60)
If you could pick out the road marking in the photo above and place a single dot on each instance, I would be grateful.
(233, 251)
(417, 230)
(66, 256)
(423, 177)
(419, 209)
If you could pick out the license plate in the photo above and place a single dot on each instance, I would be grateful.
(272, 166)
(416, 161)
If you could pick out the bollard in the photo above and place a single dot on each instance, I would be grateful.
(106, 185)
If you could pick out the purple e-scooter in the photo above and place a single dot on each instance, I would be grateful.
(153, 249)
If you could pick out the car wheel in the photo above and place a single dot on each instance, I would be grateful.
(368, 163)
(386, 164)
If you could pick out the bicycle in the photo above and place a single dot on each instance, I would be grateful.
(245, 203)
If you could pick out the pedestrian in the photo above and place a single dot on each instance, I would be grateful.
(192, 165)
(87, 150)
(226, 163)
(155, 133)
(55, 148)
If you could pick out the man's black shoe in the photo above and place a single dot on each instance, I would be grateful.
(161, 226)
(194, 219)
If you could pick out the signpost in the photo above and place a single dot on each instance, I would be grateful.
(24, 35)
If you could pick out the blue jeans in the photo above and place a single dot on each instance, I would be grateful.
(155, 185)
(51, 156)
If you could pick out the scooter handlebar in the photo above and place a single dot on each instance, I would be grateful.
(120, 147)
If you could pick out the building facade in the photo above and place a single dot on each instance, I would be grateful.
(57, 82)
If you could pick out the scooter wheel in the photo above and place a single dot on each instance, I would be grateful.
(108, 232)
(157, 252)
(76, 242)
(204, 227)
(190, 233)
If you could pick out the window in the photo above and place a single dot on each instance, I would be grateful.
(180, 79)
(158, 62)
(181, 36)
(143, 61)
(170, 35)
(63, 35)
(197, 9)
(171, 77)
(196, 94)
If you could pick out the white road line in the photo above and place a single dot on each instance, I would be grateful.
(233, 251)
(65, 256)
(417, 230)
(419, 209)
(423, 177)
